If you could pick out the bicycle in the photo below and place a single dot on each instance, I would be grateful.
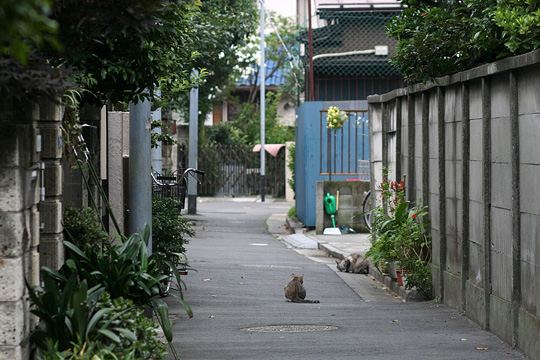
(367, 208)
(177, 262)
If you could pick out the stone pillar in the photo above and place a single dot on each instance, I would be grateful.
(50, 208)
(115, 167)
(19, 223)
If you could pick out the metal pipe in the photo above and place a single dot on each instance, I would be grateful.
(140, 182)
(262, 73)
(193, 144)
(347, 53)
(311, 94)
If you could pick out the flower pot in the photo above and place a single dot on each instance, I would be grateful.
(400, 276)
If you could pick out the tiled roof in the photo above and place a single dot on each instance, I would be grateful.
(277, 78)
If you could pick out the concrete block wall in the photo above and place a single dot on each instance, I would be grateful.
(19, 222)
(51, 247)
(351, 195)
(467, 145)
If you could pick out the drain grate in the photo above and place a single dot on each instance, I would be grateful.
(290, 328)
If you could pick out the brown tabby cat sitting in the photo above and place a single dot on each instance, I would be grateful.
(295, 291)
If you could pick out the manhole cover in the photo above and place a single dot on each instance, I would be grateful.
(290, 328)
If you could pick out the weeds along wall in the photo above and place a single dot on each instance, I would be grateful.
(467, 146)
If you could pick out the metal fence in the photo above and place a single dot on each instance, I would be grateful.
(340, 149)
(234, 170)
(314, 146)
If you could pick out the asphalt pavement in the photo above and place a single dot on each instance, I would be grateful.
(241, 312)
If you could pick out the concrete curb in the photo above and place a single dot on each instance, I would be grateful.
(331, 250)
(406, 295)
(293, 225)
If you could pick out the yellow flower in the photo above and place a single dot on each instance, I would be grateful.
(335, 118)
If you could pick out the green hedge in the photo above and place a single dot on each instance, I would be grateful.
(441, 37)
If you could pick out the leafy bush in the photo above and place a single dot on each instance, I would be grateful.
(124, 270)
(399, 235)
(292, 213)
(82, 227)
(170, 230)
(291, 164)
(444, 37)
(67, 311)
(89, 351)
(138, 337)
(520, 22)
(80, 323)
(245, 128)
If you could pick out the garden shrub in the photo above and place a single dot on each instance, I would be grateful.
(83, 228)
(123, 271)
(138, 337)
(520, 22)
(292, 213)
(437, 38)
(78, 322)
(399, 235)
(291, 165)
(170, 230)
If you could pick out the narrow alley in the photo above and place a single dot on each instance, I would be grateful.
(237, 291)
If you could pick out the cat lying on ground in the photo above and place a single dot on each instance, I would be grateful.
(295, 291)
(353, 263)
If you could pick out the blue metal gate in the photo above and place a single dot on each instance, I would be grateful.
(323, 154)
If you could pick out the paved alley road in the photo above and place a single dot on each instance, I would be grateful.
(242, 270)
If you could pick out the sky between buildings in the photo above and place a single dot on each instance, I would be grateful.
(282, 7)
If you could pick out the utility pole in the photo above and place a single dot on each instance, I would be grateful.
(193, 144)
(140, 184)
(263, 103)
(311, 80)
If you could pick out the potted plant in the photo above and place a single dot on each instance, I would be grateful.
(399, 237)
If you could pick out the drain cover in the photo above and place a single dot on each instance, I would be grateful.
(290, 328)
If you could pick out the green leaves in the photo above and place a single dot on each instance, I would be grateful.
(520, 22)
(444, 37)
(83, 228)
(399, 235)
(25, 26)
(440, 38)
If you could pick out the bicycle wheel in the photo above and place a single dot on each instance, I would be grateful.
(165, 285)
(366, 209)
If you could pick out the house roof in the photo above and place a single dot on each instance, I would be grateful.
(278, 77)
(350, 30)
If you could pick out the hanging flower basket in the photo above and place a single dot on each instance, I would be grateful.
(335, 118)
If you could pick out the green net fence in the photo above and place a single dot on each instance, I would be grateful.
(347, 31)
